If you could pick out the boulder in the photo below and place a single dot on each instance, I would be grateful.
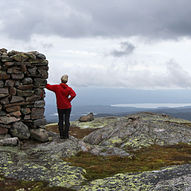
(39, 135)
(86, 118)
(20, 130)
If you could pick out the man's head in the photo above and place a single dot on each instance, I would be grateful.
(64, 78)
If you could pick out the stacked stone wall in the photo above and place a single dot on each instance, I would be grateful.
(22, 81)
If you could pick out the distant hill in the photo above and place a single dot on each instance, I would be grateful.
(101, 110)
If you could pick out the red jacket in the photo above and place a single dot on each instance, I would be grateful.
(62, 91)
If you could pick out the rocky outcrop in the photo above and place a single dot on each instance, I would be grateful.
(141, 130)
(43, 162)
(22, 81)
(171, 178)
(119, 136)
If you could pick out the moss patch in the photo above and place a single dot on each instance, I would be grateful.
(151, 158)
(8, 184)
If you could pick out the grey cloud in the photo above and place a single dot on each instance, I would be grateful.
(126, 48)
(176, 75)
(120, 75)
(70, 18)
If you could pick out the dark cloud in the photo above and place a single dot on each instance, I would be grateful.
(154, 19)
(126, 48)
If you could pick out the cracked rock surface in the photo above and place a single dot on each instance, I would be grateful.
(115, 136)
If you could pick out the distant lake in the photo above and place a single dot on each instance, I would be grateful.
(153, 105)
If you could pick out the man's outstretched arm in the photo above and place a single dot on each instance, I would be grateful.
(51, 87)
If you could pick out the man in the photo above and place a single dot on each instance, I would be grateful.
(64, 96)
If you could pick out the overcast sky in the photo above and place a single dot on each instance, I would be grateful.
(137, 44)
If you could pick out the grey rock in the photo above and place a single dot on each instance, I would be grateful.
(141, 130)
(4, 101)
(25, 93)
(3, 95)
(7, 119)
(108, 151)
(39, 122)
(12, 91)
(3, 50)
(4, 91)
(39, 55)
(17, 99)
(14, 141)
(1, 84)
(86, 118)
(4, 75)
(37, 113)
(40, 103)
(40, 92)
(3, 130)
(33, 71)
(33, 98)
(17, 76)
(25, 87)
(2, 113)
(25, 111)
(39, 134)
(5, 58)
(9, 64)
(5, 136)
(19, 57)
(27, 81)
(14, 70)
(38, 82)
(9, 83)
(20, 130)
(13, 108)
(170, 178)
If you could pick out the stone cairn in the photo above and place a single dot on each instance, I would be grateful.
(22, 81)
